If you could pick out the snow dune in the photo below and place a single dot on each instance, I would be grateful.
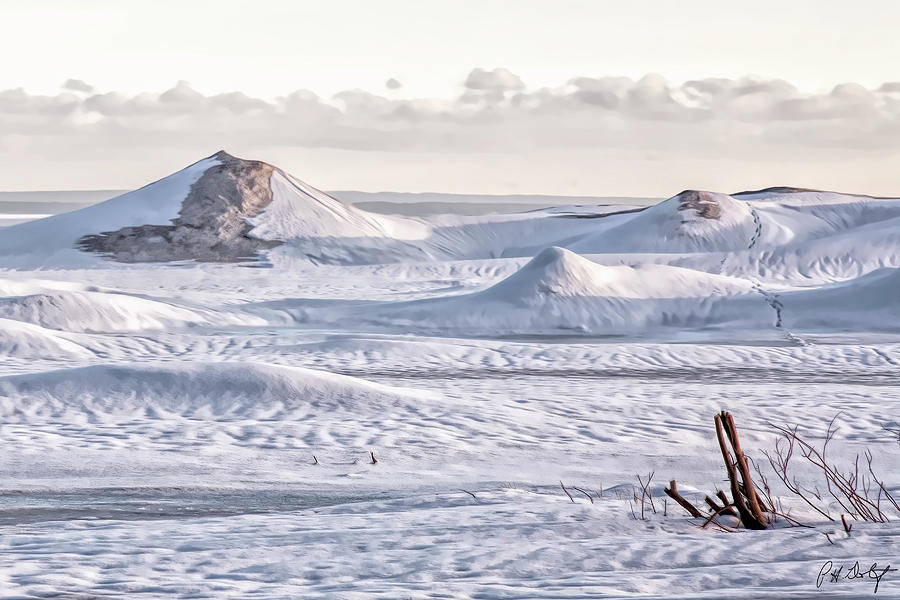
(225, 390)
(697, 260)
(313, 225)
(559, 291)
(24, 340)
(89, 310)
(96, 312)
(692, 221)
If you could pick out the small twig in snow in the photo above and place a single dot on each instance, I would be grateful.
(584, 492)
(847, 526)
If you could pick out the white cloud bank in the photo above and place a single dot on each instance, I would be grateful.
(608, 135)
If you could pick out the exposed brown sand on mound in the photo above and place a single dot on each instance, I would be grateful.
(211, 226)
(704, 203)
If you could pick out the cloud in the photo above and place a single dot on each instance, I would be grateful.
(496, 80)
(744, 119)
(483, 86)
(77, 85)
(393, 84)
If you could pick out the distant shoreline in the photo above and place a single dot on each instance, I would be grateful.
(18, 207)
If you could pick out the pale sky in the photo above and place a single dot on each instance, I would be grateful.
(590, 98)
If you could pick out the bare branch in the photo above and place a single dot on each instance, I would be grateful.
(584, 492)
(567, 492)
(672, 492)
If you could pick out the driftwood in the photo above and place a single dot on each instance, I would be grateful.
(716, 508)
(747, 504)
(727, 503)
(744, 495)
(672, 492)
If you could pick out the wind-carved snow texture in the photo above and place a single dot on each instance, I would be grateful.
(211, 226)
(885, 356)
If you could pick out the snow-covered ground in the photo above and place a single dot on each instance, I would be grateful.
(206, 429)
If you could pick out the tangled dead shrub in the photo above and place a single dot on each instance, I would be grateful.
(856, 488)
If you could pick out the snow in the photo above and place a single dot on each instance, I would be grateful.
(108, 312)
(559, 291)
(511, 543)
(214, 390)
(298, 210)
(51, 241)
(192, 429)
(23, 340)
(670, 226)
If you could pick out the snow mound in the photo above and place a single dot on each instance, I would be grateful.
(24, 340)
(96, 312)
(193, 390)
(560, 291)
(692, 221)
(87, 310)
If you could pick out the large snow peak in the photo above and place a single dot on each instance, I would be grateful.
(221, 209)
(211, 224)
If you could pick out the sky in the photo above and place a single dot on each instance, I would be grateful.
(643, 98)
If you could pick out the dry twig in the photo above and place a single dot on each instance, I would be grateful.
(584, 492)
(672, 492)
(567, 492)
